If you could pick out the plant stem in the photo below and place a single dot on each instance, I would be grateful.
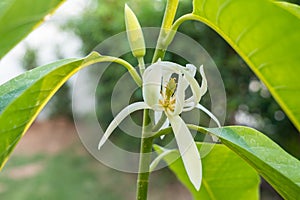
(101, 58)
(141, 64)
(168, 19)
(145, 159)
(147, 139)
(160, 122)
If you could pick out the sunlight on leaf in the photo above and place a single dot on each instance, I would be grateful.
(266, 36)
(293, 8)
(23, 97)
(225, 175)
(275, 165)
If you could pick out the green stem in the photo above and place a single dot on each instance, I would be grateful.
(170, 36)
(160, 122)
(141, 64)
(164, 131)
(145, 159)
(166, 37)
(168, 19)
(101, 58)
(147, 140)
(168, 130)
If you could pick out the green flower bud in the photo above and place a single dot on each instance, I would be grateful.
(134, 33)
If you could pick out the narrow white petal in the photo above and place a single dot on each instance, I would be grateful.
(179, 95)
(210, 114)
(120, 117)
(166, 75)
(172, 67)
(188, 150)
(203, 88)
(159, 158)
(213, 117)
(188, 106)
(157, 116)
(191, 69)
(196, 90)
(152, 78)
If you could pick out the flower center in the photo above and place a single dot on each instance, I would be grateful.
(168, 101)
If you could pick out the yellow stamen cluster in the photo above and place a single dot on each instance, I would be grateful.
(168, 101)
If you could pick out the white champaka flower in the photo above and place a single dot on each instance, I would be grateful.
(164, 91)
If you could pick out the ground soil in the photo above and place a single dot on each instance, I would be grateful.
(50, 136)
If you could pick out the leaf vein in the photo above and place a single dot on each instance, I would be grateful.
(220, 10)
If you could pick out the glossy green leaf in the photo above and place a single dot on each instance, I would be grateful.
(266, 35)
(19, 17)
(293, 8)
(278, 167)
(225, 175)
(22, 98)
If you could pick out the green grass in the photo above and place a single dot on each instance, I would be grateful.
(73, 174)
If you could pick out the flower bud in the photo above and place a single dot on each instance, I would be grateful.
(134, 33)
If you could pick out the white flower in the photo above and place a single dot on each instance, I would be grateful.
(163, 94)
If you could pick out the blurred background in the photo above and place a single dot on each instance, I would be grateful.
(51, 159)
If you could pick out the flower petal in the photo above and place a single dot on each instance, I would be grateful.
(166, 75)
(188, 150)
(171, 67)
(198, 91)
(212, 116)
(152, 78)
(191, 69)
(120, 117)
(203, 88)
(155, 162)
(188, 105)
(157, 116)
(179, 95)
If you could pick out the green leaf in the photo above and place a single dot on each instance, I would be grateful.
(22, 98)
(225, 175)
(293, 8)
(266, 36)
(278, 167)
(19, 17)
